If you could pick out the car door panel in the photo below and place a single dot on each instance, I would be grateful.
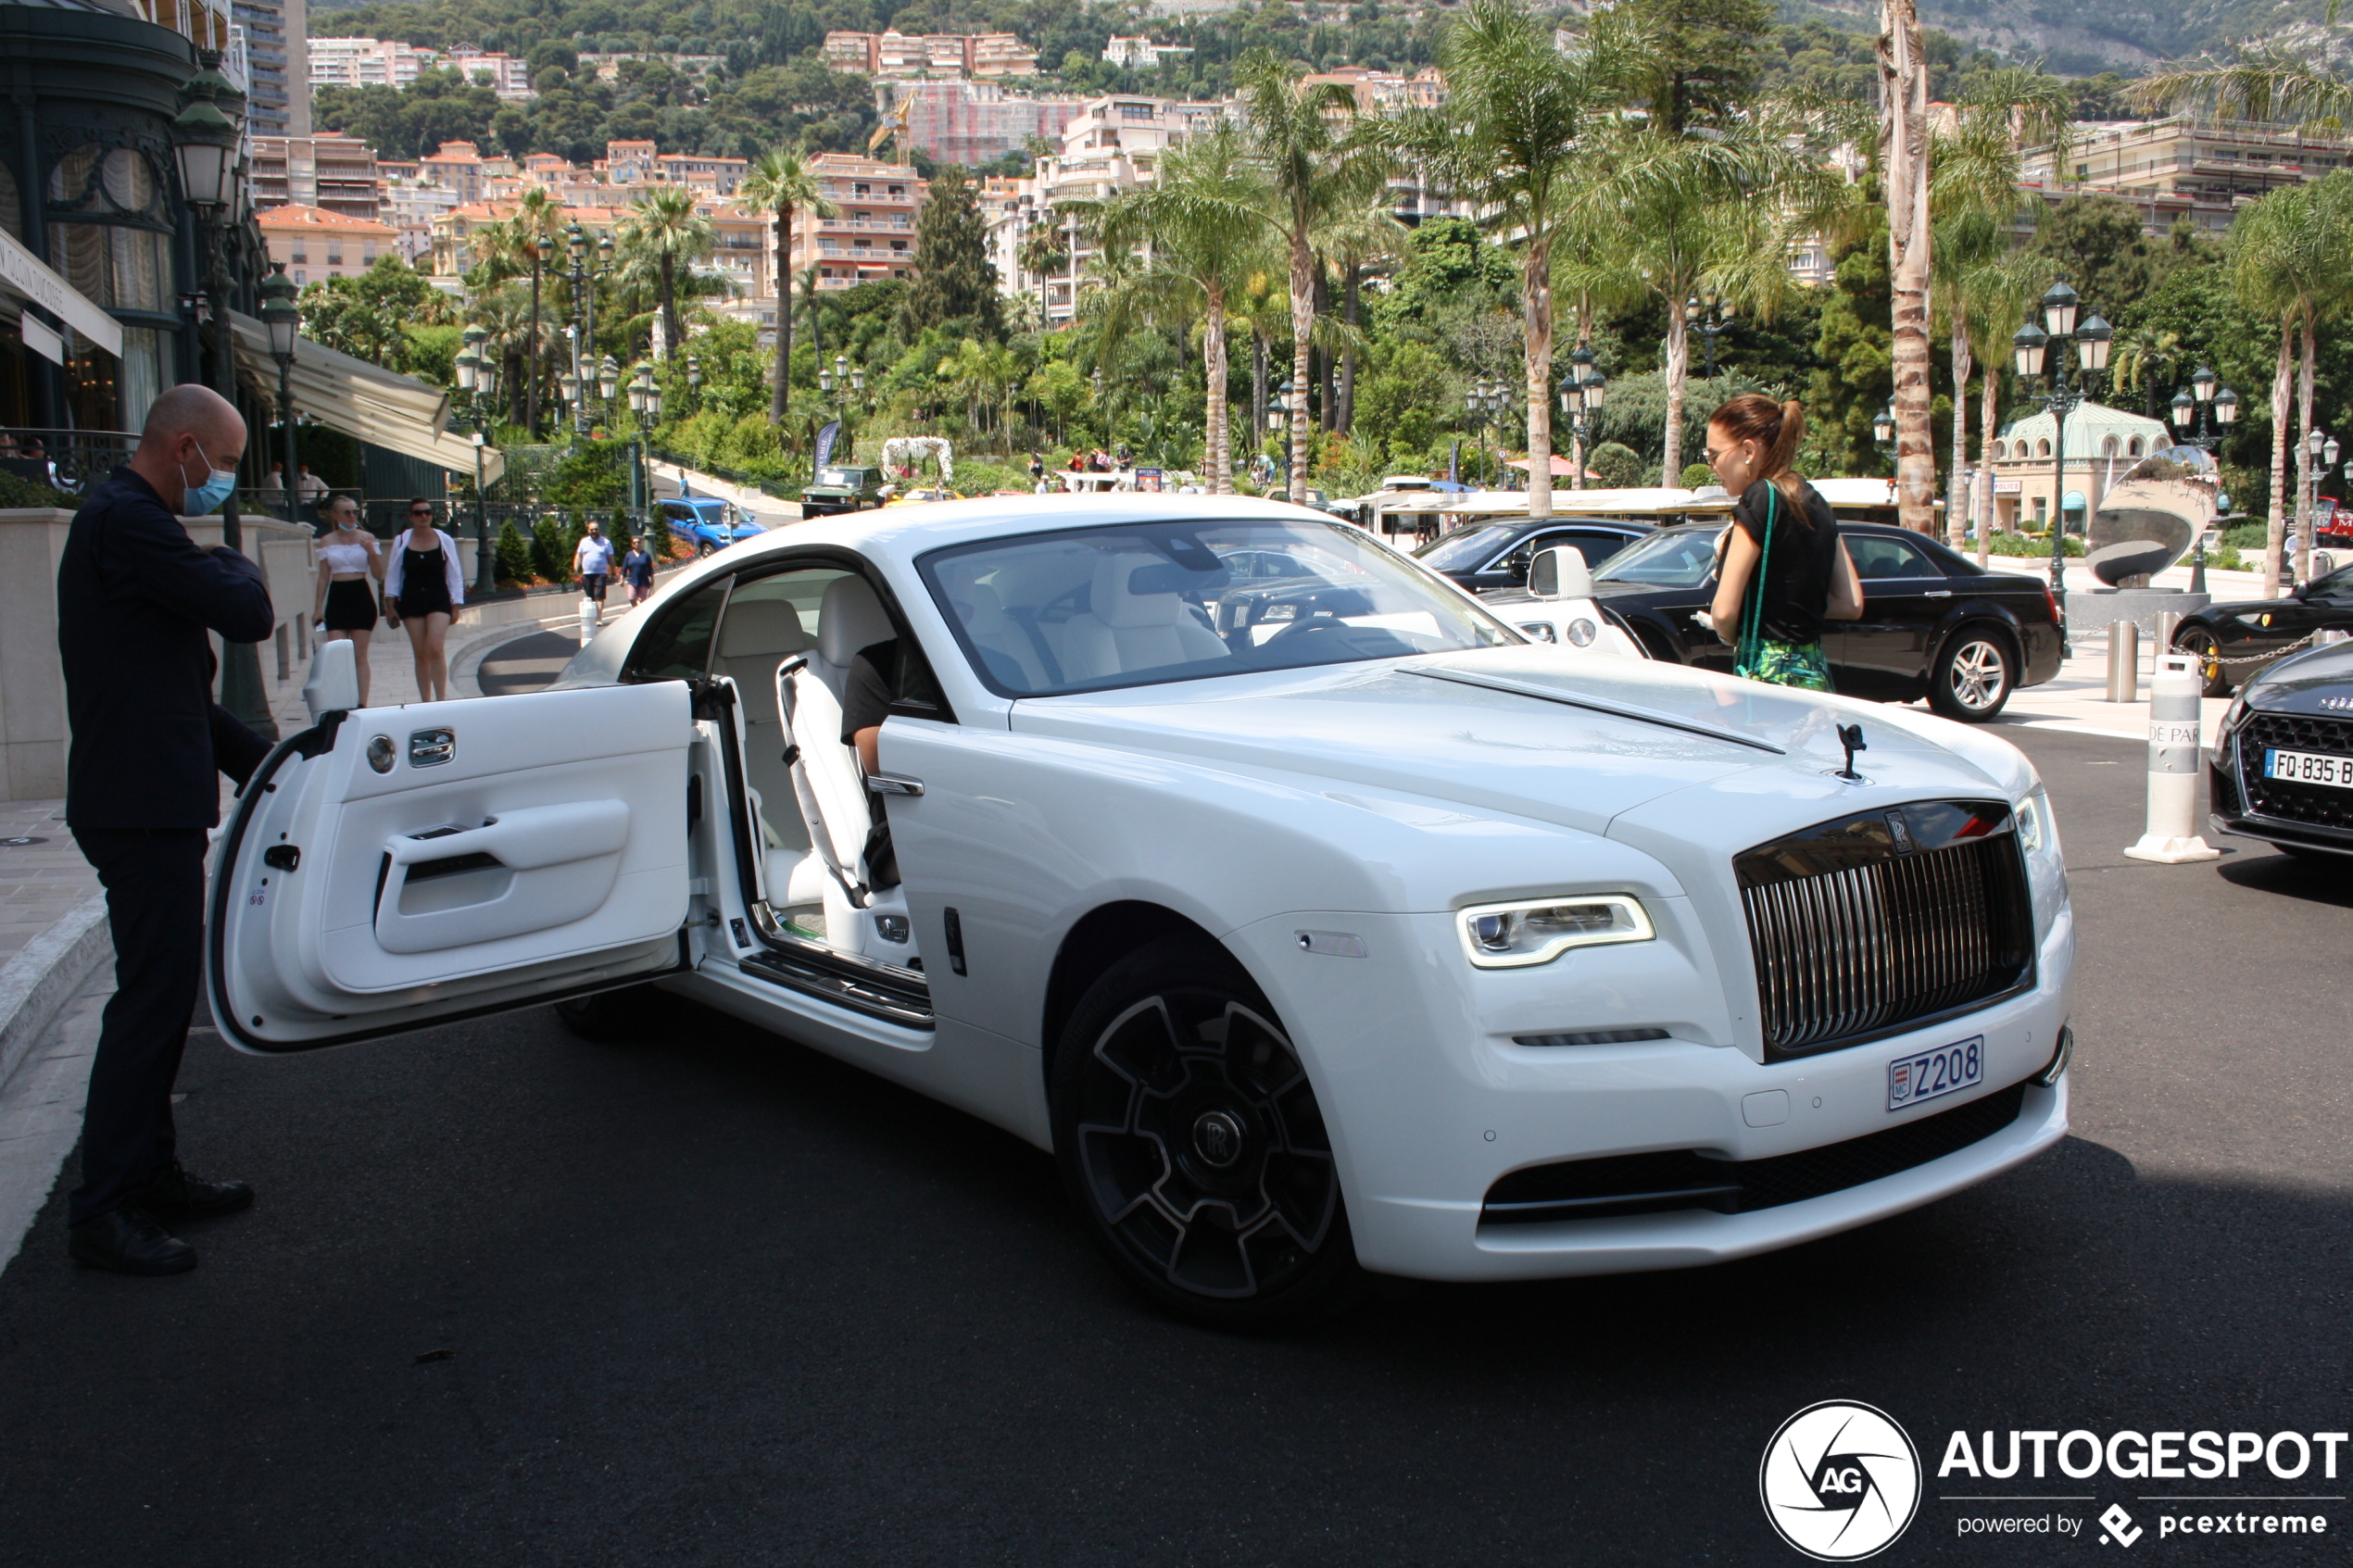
(398, 866)
(1883, 654)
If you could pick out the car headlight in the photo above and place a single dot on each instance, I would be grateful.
(2038, 830)
(1537, 931)
(2233, 714)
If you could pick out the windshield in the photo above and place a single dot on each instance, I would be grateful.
(1680, 559)
(838, 476)
(1464, 548)
(1094, 610)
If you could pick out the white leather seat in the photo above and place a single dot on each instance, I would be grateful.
(759, 635)
(1124, 630)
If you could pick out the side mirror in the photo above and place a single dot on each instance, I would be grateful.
(334, 678)
(1560, 573)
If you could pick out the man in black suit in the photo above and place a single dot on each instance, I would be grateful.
(135, 597)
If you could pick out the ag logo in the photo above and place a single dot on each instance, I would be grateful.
(1841, 1480)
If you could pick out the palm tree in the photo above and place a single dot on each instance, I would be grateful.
(665, 228)
(1302, 138)
(1994, 294)
(2266, 83)
(1520, 117)
(2145, 356)
(1973, 192)
(1209, 223)
(782, 181)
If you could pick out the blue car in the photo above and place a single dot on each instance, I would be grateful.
(711, 523)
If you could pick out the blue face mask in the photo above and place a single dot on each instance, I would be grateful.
(204, 499)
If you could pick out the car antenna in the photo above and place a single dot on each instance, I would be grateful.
(1851, 737)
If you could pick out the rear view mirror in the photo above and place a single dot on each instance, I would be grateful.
(334, 678)
(1560, 573)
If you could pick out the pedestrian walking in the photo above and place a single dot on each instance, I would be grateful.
(424, 589)
(592, 562)
(1785, 572)
(637, 571)
(350, 564)
(136, 598)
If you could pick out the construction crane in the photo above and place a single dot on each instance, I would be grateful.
(894, 125)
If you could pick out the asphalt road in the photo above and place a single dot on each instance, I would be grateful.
(713, 1299)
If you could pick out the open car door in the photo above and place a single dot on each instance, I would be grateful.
(392, 867)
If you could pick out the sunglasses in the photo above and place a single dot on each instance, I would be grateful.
(420, 511)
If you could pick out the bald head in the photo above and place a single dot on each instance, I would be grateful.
(191, 431)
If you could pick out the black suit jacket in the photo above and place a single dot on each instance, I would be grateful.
(135, 597)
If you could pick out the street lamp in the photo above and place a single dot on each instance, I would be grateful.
(279, 314)
(1883, 427)
(542, 247)
(2320, 455)
(694, 384)
(1582, 395)
(1714, 324)
(2199, 405)
(2069, 388)
(608, 379)
(1486, 400)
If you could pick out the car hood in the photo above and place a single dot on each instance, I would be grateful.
(1537, 733)
(2319, 681)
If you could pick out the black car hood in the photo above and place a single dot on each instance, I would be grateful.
(2318, 681)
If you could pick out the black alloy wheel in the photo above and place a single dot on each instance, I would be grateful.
(1188, 1135)
(2201, 645)
(1974, 675)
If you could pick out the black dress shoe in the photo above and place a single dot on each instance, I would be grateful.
(172, 1193)
(129, 1241)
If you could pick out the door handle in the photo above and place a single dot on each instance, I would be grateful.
(1938, 593)
(893, 783)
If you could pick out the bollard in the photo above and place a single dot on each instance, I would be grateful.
(591, 615)
(2172, 837)
(2161, 642)
(2123, 661)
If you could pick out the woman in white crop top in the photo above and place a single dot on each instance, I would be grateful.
(348, 557)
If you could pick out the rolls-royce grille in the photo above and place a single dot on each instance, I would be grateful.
(1883, 921)
(1662, 1183)
(2321, 805)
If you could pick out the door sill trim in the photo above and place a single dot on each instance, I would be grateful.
(864, 986)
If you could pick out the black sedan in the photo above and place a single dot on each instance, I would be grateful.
(1496, 555)
(2282, 769)
(1934, 623)
(2233, 641)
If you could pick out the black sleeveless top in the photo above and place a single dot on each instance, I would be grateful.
(424, 581)
(1796, 572)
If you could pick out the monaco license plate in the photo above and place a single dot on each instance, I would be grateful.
(1934, 1073)
(2309, 767)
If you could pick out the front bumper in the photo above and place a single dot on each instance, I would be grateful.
(1430, 1101)
(2323, 824)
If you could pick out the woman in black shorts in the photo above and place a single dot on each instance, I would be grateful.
(351, 563)
(424, 588)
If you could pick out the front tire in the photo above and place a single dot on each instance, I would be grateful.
(1189, 1137)
(705, 549)
(1974, 675)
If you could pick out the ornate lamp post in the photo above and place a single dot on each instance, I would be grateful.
(279, 314)
(1715, 323)
(1884, 428)
(1581, 397)
(2033, 345)
(2319, 453)
(204, 144)
(2195, 404)
(645, 403)
(694, 384)
(473, 382)
(1486, 401)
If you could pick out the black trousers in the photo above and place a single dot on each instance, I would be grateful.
(155, 909)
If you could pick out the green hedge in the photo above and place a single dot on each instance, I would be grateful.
(2028, 545)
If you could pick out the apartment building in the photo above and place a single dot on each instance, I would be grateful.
(974, 123)
(410, 209)
(1385, 92)
(335, 173)
(2185, 166)
(455, 166)
(277, 65)
(1142, 53)
(316, 245)
(895, 53)
(1115, 142)
(509, 75)
(378, 62)
(452, 253)
(872, 235)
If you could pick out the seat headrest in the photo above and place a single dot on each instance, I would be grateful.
(1115, 598)
(762, 626)
(850, 621)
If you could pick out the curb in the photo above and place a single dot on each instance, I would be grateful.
(37, 982)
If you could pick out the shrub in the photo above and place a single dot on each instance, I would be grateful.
(657, 542)
(16, 492)
(2029, 544)
(2248, 536)
(1698, 476)
(513, 556)
(548, 557)
(1620, 466)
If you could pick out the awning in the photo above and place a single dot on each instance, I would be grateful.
(21, 272)
(397, 412)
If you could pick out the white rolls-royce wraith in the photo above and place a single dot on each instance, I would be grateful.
(1316, 920)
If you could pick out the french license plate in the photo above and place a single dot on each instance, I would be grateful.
(2309, 767)
(1934, 1073)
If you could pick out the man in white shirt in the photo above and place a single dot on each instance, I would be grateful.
(592, 562)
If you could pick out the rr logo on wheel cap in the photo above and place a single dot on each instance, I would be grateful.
(1217, 1138)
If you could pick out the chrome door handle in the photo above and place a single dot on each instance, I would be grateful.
(1938, 593)
(893, 783)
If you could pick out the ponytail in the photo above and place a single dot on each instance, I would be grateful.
(1777, 428)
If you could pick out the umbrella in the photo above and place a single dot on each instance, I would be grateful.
(1562, 467)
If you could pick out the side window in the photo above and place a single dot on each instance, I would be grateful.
(1596, 547)
(677, 647)
(1878, 557)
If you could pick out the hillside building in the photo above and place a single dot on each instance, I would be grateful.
(974, 123)
(316, 245)
(337, 174)
(895, 53)
(2185, 167)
